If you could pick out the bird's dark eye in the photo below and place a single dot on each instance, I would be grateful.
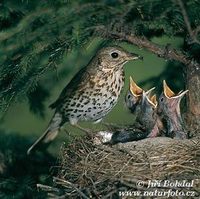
(162, 99)
(129, 96)
(114, 55)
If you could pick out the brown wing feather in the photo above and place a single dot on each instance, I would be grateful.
(77, 81)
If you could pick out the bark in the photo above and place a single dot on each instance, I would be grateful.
(193, 99)
(165, 52)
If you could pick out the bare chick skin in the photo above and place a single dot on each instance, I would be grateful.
(169, 109)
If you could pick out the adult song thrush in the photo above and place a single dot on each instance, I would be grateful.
(91, 94)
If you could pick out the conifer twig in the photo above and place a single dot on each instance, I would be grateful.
(187, 22)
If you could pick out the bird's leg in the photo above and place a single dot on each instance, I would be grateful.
(111, 125)
(87, 131)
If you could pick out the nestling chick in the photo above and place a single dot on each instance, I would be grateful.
(134, 96)
(147, 123)
(169, 109)
(148, 116)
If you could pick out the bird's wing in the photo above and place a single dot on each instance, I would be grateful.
(78, 81)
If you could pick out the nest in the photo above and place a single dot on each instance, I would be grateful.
(97, 171)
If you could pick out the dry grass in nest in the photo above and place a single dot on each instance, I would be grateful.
(90, 171)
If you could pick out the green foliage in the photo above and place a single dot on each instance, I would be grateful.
(18, 172)
(36, 100)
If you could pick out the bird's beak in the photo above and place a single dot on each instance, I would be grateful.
(170, 94)
(134, 88)
(149, 91)
(154, 100)
(133, 56)
(167, 91)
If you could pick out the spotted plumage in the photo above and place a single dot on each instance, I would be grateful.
(91, 94)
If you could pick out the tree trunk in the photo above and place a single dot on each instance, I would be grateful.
(193, 99)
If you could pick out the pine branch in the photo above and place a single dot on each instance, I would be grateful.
(191, 32)
(164, 52)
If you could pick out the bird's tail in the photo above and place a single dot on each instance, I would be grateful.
(48, 136)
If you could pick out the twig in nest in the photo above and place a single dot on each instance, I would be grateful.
(123, 167)
(185, 167)
(62, 182)
(47, 188)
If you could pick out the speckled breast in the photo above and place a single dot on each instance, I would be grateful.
(96, 101)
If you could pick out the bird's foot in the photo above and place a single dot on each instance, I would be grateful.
(88, 132)
(179, 135)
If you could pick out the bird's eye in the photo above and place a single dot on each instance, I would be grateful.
(114, 55)
(129, 96)
(162, 99)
